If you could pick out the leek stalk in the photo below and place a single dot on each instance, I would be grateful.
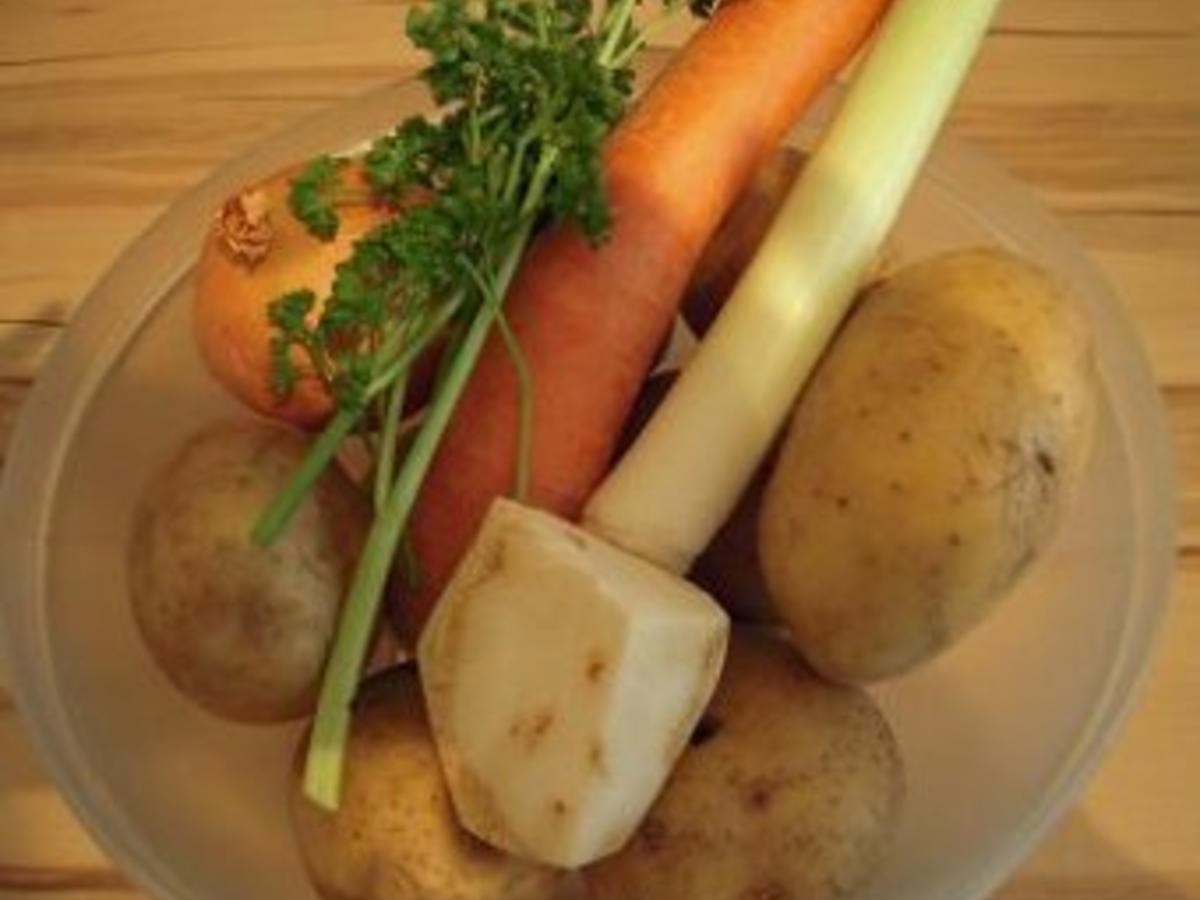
(680, 480)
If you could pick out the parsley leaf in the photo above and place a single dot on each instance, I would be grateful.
(288, 315)
(314, 195)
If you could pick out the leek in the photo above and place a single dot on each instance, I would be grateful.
(681, 478)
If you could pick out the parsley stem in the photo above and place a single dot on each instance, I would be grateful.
(540, 21)
(644, 36)
(474, 139)
(524, 408)
(317, 359)
(524, 386)
(323, 768)
(430, 329)
(279, 511)
(385, 463)
(529, 89)
(387, 349)
(631, 51)
(537, 186)
(618, 25)
(514, 169)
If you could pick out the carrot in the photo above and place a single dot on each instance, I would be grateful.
(589, 321)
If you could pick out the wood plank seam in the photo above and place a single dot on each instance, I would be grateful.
(43, 879)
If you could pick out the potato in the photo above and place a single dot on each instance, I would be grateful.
(791, 791)
(394, 836)
(928, 462)
(242, 630)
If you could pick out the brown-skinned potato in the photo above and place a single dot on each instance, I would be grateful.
(928, 462)
(791, 790)
(395, 835)
(241, 629)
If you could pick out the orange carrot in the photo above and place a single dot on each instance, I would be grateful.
(589, 320)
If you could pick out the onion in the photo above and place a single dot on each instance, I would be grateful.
(256, 251)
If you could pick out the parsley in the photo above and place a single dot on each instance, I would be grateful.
(314, 195)
(287, 316)
(527, 92)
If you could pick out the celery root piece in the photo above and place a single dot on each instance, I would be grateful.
(563, 678)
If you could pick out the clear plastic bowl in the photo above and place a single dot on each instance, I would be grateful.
(999, 735)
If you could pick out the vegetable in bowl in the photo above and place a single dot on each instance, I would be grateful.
(791, 788)
(530, 91)
(164, 810)
(928, 464)
(256, 250)
(665, 499)
(395, 835)
(363, 364)
(242, 631)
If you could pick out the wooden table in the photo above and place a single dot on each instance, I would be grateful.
(110, 108)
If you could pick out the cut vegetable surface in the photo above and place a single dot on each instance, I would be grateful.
(588, 320)
(563, 679)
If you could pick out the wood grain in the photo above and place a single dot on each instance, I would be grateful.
(110, 108)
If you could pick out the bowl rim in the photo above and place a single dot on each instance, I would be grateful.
(110, 317)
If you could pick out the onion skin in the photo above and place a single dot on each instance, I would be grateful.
(233, 290)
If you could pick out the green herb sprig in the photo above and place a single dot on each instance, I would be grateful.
(528, 90)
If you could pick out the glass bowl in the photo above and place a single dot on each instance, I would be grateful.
(999, 735)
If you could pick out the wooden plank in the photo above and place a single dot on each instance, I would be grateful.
(1183, 406)
(24, 346)
(1082, 124)
(51, 257)
(12, 395)
(1116, 19)
(109, 108)
(52, 32)
(1153, 264)
(59, 880)
(55, 894)
(81, 31)
(42, 847)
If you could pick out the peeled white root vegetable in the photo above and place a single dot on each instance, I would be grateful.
(563, 678)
